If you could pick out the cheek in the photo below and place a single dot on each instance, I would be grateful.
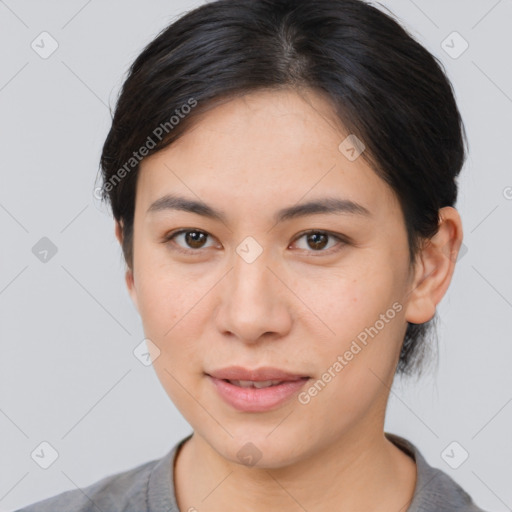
(168, 308)
(164, 301)
(340, 300)
(163, 292)
(174, 309)
(350, 308)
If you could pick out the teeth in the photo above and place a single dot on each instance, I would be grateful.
(254, 384)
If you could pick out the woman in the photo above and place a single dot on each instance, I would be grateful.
(282, 176)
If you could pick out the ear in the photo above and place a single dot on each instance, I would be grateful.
(435, 265)
(128, 277)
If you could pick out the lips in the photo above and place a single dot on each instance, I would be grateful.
(238, 374)
(259, 390)
(254, 384)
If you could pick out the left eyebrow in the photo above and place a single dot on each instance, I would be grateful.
(328, 205)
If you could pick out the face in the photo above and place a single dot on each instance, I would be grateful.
(321, 295)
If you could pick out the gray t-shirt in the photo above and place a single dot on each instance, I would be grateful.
(149, 487)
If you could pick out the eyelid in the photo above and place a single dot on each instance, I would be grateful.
(169, 238)
(342, 240)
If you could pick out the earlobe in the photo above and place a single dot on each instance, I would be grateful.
(130, 284)
(118, 229)
(435, 268)
(128, 277)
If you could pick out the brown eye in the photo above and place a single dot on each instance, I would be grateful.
(187, 240)
(317, 241)
(195, 239)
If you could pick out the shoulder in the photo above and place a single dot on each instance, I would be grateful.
(121, 492)
(435, 490)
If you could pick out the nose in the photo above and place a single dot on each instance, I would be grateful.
(255, 304)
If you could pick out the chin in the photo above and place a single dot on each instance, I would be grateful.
(259, 449)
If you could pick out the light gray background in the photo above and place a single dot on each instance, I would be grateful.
(68, 328)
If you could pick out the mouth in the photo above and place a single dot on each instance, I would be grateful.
(258, 390)
(259, 384)
(242, 375)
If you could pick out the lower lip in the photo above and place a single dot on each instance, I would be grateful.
(254, 399)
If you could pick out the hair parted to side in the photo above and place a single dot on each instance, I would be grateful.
(384, 86)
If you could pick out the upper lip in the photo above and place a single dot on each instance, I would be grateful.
(256, 375)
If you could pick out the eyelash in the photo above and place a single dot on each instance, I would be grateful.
(168, 238)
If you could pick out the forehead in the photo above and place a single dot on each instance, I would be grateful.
(269, 147)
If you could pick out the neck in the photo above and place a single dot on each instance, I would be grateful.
(363, 472)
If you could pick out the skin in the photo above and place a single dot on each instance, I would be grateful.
(295, 307)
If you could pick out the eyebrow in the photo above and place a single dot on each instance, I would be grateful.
(327, 205)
